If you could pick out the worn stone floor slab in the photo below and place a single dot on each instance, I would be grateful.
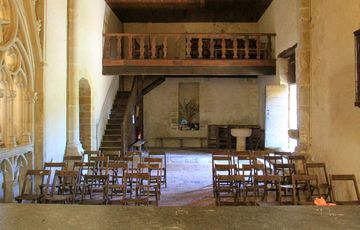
(32, 216)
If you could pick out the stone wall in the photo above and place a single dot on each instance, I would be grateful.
(335, 121)
(222, 101)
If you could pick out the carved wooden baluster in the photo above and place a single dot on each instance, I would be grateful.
(246, 47)
(257, 47)
(142, 47)
(200, 47)
(223, 48)
(107, 46)
(130, 48)
(269, 48)
(188, 46)
(235, 47)
(119, 48)
(212, 48)
(165, 43)
(153, 47)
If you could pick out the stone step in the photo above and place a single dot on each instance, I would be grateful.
(110, 148)
(112, 138)
(113, 132)
(112, 126)
(111, 144)
(116, 116)
(115, 121)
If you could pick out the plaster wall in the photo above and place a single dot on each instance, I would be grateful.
(335, 121)
(95, 18)
(222, 101)
(55, 72)
(280, 18)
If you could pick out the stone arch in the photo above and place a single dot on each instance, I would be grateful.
(85, 110)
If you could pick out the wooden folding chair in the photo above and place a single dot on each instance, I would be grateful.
(263, 184)
(161, 154)
(303, 183)
(319, 169)
(138, 189)
(31, 193)
(63, 189)
(350, 179)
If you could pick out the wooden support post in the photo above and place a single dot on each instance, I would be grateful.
(130, 48)
(269, 48)
(188, 46)
(153, 47)
(247, 47)
(257, 47)
(235, 48)
(223, 48)
(165, 43)
(119, 48)
(212, 48)
(200, 47)
(108, 46)
(142, 47)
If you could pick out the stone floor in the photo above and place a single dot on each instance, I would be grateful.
(189, 180)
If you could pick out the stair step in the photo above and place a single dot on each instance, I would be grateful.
(111, 144)
(116, 116)
(112, 138)
(113, 126)
(113, 132)
(115, 121)
(110, 148)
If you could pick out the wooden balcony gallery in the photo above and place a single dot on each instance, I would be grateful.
(247, 54)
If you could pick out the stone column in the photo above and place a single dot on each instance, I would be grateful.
(26, 136)
(73, 145)
(8, 185)
(11, 138)
(26, 165)
(303, 75)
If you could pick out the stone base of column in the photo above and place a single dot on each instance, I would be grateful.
(26, 139)
(74, 149)
(11, 142)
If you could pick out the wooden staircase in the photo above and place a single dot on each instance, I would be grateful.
(112, 139)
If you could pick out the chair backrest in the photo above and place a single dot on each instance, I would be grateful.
(344, 178)
(285, 171)
(308, 182)
(33, 177)
(246, 159)
(93, 153)
(220, 169)
(299, 161)
(64, 182)
(269, 162)
(54, 165)
(111, 154)
(318, 169)
(101, 164)
(73, 158)
(117, 172)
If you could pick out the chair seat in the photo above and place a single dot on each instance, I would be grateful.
(32, 197)
(58, 197)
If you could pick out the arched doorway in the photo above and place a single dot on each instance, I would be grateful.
(85, 113)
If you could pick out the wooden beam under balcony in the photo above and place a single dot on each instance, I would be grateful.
(189, 67)
(188, 54)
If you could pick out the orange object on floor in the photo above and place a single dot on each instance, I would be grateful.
(322, 202)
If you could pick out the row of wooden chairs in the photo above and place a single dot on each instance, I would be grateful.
(76, 180)
(247, 178)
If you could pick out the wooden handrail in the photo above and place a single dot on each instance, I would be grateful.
(225, 46)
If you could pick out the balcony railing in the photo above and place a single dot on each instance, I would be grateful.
(188, 49)
(188, 46)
